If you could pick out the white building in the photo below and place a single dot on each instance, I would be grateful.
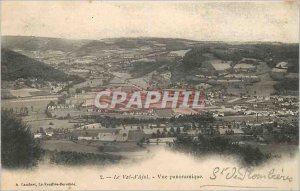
(282, 65)
(38, 136)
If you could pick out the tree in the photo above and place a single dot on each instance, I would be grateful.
(62, 99)
(68, 116)
(19, 149)
(185, 129)
(172, 130)
(26, 110)
(153, 135)
(158, 133)
(165, 129)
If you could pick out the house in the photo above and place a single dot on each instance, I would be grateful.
(85, 137)
(167, 75)
(249, 112)
(49, 132)
(250, 60)
(38, 136)
(243, 67)
(91, 126)
(107, 134)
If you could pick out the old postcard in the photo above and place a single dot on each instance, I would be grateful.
(149, 95)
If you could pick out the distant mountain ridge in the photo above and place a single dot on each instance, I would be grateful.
(32, 43)
(41, 43)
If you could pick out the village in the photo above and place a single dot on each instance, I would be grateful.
(240, 94)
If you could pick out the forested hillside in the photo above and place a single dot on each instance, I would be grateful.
(15, 65)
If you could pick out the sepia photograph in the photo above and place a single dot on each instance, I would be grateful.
(149, 95)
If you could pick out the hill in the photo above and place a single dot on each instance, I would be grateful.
(269, 52)
(15, 65)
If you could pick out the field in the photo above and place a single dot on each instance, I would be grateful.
(44, 123)
(65, 145)
(180, 52)
(65, 112)
(89, 83)
(140, 82)
(264, 87)
(39, 105)
(25, 92)
(123, 75)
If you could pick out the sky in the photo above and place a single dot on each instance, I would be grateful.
(207, 21)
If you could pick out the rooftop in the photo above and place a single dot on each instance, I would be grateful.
(240, 76)
(283, 65)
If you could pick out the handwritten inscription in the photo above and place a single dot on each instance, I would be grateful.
(249, 173)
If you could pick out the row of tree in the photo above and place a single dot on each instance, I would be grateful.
(199, 118)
